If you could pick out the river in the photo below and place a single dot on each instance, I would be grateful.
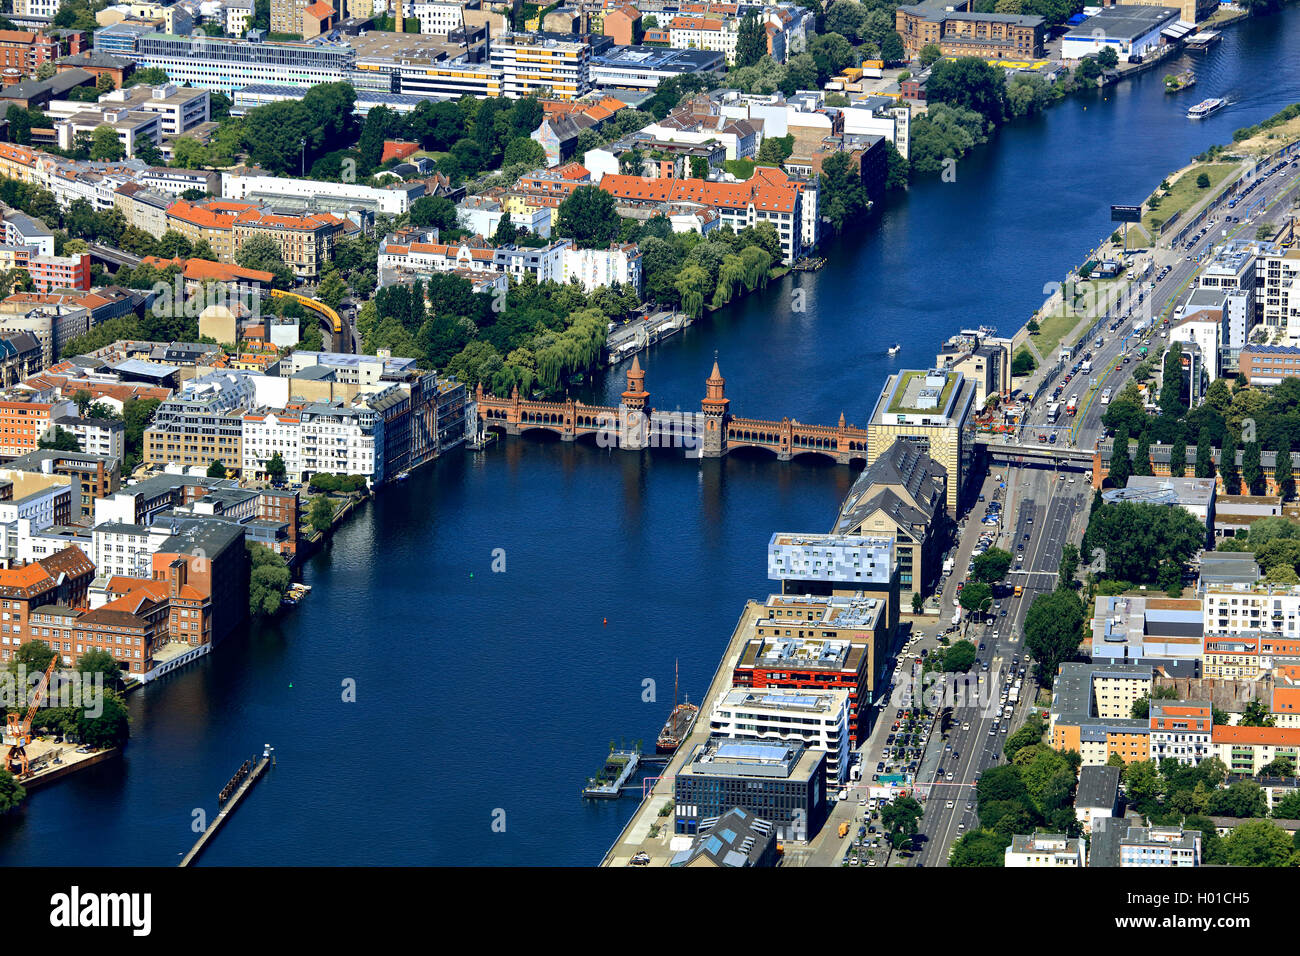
(484, 700)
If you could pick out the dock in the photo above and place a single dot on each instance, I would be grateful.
(626, 340)
(1203, 40)
(606, 786)
(206, 837)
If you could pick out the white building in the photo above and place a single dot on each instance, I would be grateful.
(440, 18)
(268, 432)
(123, 549)
(820, 720)
(1045, 850)
(238, 13)
(320, 195)
(619, 265)
(1279, 293)
(179, 109)
(838, 559)
(1181, 731)
(97, 436)
(1205, 328)
(343, 440)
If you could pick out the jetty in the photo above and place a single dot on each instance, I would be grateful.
(619, 767)
(250, 779)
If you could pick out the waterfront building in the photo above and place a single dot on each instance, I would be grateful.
(63, 578)
(902, 495)
(1132, 31)
(980, 358)
(933, 409)
(1045, 850)
(210, 557)
(1180, 730)
(783, 780)
(735, 839)
(958, 32)
(1092, 712)
(820, 721)
(770, 195)
(1189, 11)
(808, 663)
(204, 423)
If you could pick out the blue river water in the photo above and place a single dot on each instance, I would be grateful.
(484, 700)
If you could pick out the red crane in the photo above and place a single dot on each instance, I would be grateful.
(18, 733)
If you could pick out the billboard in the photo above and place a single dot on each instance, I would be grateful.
(1125, 213)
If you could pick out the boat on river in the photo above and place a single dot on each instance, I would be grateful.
(1205, 108)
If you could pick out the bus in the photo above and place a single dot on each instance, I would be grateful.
(1072, 405)
(1053, 411)
(1105, 397)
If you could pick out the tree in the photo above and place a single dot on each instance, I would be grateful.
(1142, 455)
(321, 515)
(95, 661)
(1171, 385)
(588, 217)
(1244, 798)
(1088, 71)
(269, 578)
(1203, 181)
(11, 792)
(1255, 714)
(1288, 808)
(434, 212)
(59, 439)
(1137, 537)
(1178, 457)
(900, 818)
(216, 469)
(1205, 453)
(1108, 58)
(929, 54)
(1257, 843)
(275, 469)
(111, 728)
(979, 848)
(976, 597)
(751, 40)
(1252, 470)
(1121, 465)
(1053, 631)
(969, 82)
(918, 604)
(1023, 363)
(1228, 465)
(1069, 566)
(959, 657)
(991, 566)
(1282, 475)
(1027, 736)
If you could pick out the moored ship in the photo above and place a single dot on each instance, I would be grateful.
(679, 723)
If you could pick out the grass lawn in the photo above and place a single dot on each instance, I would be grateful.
(1184, 193)
(1051, 330)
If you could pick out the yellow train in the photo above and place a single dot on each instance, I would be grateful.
(314, 305)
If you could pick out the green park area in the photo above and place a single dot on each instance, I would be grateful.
(1187, 190)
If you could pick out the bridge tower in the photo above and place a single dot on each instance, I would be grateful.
(635, 413)
(714, 407)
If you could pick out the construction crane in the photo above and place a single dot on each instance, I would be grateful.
(18, 734)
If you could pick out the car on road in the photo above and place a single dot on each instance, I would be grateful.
(949, 805)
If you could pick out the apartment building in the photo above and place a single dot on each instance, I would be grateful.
(53, 326)
(530, 65)
(28, 50)
(60, 272)
(212, 222)
(769, 196)
(1160, 846)
(1247, 750)
(93, 476)
(201, 425)
(306, 242)
(1092, 712)
(1180, 730)
(439, 18)
(344, 440)
(1278, 291)
(20, 356)
(24, 423)
(312, 194)
(97, 436)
